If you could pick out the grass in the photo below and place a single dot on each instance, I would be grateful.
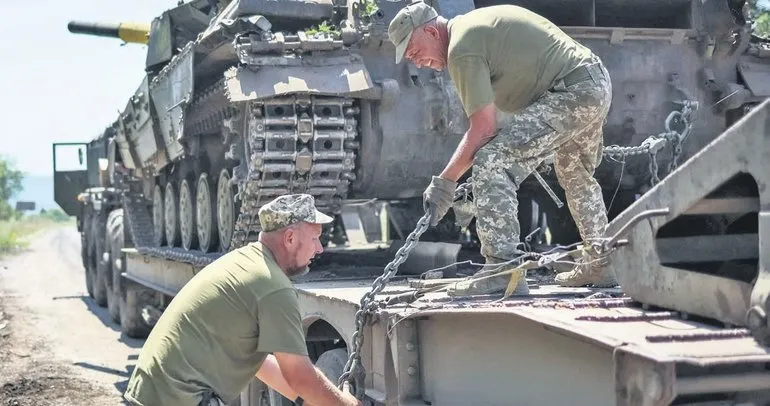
(323, 27)
(15, 234)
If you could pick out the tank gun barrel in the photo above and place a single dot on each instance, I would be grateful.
(129, 32)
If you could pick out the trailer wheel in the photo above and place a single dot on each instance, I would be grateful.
(89, 271)
(86, 252)
(115, 241)
(100, 281)
(133, 298)
(332, 363)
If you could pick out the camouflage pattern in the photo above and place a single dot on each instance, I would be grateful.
(566, 122)
(286, 210)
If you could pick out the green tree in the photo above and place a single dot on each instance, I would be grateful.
(10, 184)
(56, 215)
(760, 15)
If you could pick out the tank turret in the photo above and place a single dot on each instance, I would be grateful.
(138, 33)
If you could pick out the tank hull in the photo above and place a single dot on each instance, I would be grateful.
(257, 104)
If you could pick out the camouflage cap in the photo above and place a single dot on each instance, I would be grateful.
(290, 209)
(406, 20)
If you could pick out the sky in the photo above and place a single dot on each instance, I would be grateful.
(63, 87)
(59, 86)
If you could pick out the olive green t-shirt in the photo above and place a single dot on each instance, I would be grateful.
(508, 55)
(217, 330)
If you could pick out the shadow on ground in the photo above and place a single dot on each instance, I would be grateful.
(126, 374)
(104, 316)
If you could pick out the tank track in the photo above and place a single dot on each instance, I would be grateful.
(209, 110)
(295, 144)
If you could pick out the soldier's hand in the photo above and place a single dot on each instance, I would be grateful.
(438, 197)
(348, 391)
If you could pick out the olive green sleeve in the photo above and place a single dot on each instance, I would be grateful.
(470, 74)
(280, 323)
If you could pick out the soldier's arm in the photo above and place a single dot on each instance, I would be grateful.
(270, 374)
(483, 124)
(292, 374)
(310, 383)
(471, 77)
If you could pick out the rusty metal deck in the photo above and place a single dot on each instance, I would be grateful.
(611, 321)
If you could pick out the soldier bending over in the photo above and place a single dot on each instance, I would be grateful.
(509, 58)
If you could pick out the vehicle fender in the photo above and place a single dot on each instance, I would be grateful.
(248, 83)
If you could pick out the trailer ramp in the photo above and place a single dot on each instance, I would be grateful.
(555, 346)
(710, 254)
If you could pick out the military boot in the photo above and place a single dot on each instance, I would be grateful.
(591, 269)
(494, 284)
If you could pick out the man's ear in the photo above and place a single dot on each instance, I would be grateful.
(289, 237)
(432, 31)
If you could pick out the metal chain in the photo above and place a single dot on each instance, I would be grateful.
(654, 143)
(653, 168)
(685, 118)
(368, 304)
(353, 370)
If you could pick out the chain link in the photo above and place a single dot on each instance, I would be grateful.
(685, 118)
(654, 143)
(653, 168)
(369, 305)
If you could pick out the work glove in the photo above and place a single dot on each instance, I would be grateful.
(438, 197)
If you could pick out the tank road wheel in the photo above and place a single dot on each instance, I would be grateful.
(225, 210)
(157, 216)
(171, 215)
(206, 215)
(187, 216)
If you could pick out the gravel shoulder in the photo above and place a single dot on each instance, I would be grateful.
(57, 347)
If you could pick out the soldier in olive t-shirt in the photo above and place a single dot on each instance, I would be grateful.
(218, 330)
(521, 52)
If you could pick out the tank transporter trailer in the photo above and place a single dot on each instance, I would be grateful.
(247, 100)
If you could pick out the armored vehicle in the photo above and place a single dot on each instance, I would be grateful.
(247, 100)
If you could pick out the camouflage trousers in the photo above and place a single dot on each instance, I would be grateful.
(566, 122)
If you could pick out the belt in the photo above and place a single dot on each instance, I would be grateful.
(579, 74)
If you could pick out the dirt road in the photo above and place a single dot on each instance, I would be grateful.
(57, 347)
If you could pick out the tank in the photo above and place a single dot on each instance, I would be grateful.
(247, 100)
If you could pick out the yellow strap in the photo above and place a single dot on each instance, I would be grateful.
(516, 274)
(521, 272)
